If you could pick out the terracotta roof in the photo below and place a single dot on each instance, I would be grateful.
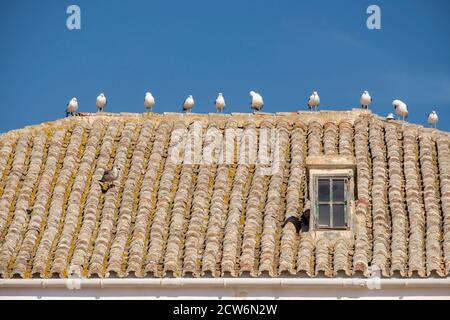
(176, 219)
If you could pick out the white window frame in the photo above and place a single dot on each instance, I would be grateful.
(314, 175)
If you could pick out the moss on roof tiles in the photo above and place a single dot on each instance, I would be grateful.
(221, 218)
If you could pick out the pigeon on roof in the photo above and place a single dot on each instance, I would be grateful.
(433, 119)
(313, 101)
(302, 223)
(72, 107)
(220, 103)
(257, 102)
(149, 101)
(365, 100)
(101, 102)
(400, 108)
(188, 104)
(110, 176)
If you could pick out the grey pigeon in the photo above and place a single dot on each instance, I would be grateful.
(110, 176)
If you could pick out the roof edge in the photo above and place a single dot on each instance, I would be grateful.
(185, 283)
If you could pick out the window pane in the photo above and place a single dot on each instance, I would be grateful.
(339, 216)
(324, 190)
(338, 190)
(324, 215)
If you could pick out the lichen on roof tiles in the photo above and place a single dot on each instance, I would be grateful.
(223, 215)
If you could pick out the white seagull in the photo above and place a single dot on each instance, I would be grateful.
(314, 101)
(433, 119)
(101, 102)
(220, 103)
(400, 108)
(109, 176)
(149, 101)
(188, 104)
(72, 107)
(365, 100)
(390, 116)
(257, 102)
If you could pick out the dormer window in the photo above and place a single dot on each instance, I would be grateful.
(332, 199)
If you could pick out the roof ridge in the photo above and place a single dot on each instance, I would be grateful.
(306, 117)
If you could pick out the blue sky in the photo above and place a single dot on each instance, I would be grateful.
(282, 49)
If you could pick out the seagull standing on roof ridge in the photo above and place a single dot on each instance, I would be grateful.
(400, 108)
(72, 107)
(257, 102)
(314, 101)
(149, 101)
(220, 103)
(101, 102)
(433, 119)
(188, 104)
(365, 100)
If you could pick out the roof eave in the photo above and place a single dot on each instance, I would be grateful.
(335, 283)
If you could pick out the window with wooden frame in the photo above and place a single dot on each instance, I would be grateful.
(332, 199)
(331, 202)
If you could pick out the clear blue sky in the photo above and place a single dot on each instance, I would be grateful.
(282, 49)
